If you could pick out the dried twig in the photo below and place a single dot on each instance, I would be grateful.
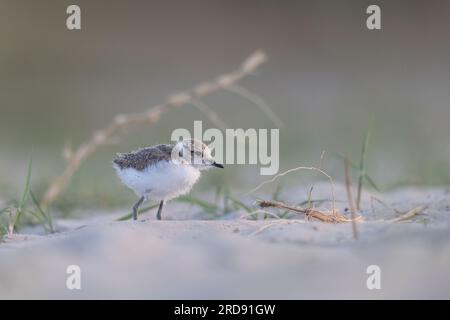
(122, 122)
(408, 215)
(351, 203)
(309, 213)
(296, 169)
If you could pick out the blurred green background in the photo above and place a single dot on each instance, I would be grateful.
(327, 77)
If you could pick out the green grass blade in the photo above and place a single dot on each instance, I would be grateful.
(240, 204)
(372, 183)
(26, 190)
(284, 214)
(277, 192)
(143, 210)
(36, 203)
(206, 206)
(366, 176)
(24, 197)
(3, 231)
(226, 199)
(217, 193)
(47, 216)
(34, 214)
(310, 202)
(362, 166)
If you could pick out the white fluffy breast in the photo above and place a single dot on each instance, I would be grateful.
(163, 181)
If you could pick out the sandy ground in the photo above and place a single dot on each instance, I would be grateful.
(239, 258)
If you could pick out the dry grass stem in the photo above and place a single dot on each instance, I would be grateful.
(410, 214)
(297, 169)
(309, 213)
(121, 123)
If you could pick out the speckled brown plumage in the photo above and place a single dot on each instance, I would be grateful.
(142, 158)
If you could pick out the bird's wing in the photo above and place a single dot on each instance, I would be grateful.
(142, 158)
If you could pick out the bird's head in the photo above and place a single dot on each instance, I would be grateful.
(194, 152)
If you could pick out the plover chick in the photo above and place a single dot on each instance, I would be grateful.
(164, 171)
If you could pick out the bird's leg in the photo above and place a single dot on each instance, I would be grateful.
(136, 207)
(158, 215)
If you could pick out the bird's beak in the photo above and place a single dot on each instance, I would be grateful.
(217, 165)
